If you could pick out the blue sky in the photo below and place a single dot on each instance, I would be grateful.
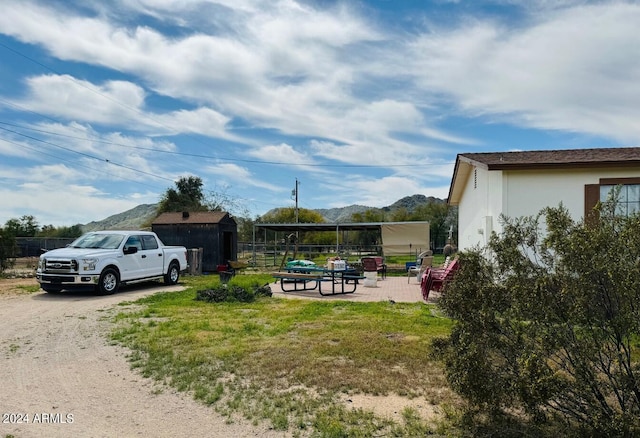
(103, 105)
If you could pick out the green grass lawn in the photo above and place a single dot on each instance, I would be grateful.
(287, 362)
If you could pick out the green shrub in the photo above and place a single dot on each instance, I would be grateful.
(230, 292)
(546, 326)
(8, 249)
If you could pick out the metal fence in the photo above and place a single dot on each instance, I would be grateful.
(270, 254)
(34, 246)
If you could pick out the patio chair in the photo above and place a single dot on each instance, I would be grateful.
(381, 266)
(424, 261)
(374, 264)
(436, 278)
(442, 267)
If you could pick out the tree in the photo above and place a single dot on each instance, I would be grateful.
(370, 215)
(401, 215)
(68, 232)
(441, 217)
(245, 228)
(187, 196)
(547, 325)
(26, 226)
(8, 249)
(288, 216)
(368, 237)
(220, 200)
(48, 231)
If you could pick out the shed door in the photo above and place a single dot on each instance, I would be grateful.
(227, 246)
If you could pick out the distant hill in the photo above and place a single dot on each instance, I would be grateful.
(135, 218)
(132, 219)
(343, 214)
(410, 203)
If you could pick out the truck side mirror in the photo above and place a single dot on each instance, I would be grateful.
(130, 249)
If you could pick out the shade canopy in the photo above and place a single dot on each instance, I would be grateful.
(397, 237)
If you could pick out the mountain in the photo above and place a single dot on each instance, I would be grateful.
(133, 219)
(343, 214)
(410, 203)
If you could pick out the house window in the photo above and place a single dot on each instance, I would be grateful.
(628, 200)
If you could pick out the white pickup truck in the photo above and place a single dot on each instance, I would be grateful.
(103, 260)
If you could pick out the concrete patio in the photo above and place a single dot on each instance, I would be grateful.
(390, 288)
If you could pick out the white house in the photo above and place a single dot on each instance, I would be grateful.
(486, 185)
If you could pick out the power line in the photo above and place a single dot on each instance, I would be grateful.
(93, 157)
(22, 145)
(212, 157)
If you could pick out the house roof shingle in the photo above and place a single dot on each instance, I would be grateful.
(193, 217)
(555, 158)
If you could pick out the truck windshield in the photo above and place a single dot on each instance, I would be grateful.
(103, 241)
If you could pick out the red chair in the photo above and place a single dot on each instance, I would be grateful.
(436, 278)
(381, 266)
(374, 264)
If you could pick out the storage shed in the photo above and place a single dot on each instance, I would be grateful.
(216, 232)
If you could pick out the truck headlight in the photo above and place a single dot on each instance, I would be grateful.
(89, 264)
(41, 264)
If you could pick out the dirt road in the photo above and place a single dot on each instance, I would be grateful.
(59, 377)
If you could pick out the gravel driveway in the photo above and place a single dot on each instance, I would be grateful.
(60, 377)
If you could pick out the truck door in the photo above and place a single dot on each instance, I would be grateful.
(154, 260)
(133, 266)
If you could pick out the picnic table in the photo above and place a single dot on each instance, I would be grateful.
(309, 278)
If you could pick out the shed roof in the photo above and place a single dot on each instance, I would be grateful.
(538, 160)
(193, 217)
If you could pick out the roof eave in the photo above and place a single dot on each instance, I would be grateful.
(565, 165)
(461, 173)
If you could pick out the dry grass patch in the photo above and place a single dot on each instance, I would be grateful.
(295, 363)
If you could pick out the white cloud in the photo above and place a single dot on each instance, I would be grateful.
(199, 121)
(52, 195)
(240, 176)
(61, 208)
(288, 59)
(65, 96)
(287, 155)
(101, 157)
(116, 103)
(13, 146)
(574, 69)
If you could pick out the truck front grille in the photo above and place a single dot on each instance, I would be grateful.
(60, 266)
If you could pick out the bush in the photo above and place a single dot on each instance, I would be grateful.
(226, 292)
(8, 250)
(546, 325)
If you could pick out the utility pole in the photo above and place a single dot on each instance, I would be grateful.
(295, 191)
(295, 194)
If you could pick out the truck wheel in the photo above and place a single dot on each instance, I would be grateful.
(51, 289)
(173, 274)
(109, 282)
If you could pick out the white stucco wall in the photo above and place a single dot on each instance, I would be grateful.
(480, 202)
(526, 193)
(523, 193)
